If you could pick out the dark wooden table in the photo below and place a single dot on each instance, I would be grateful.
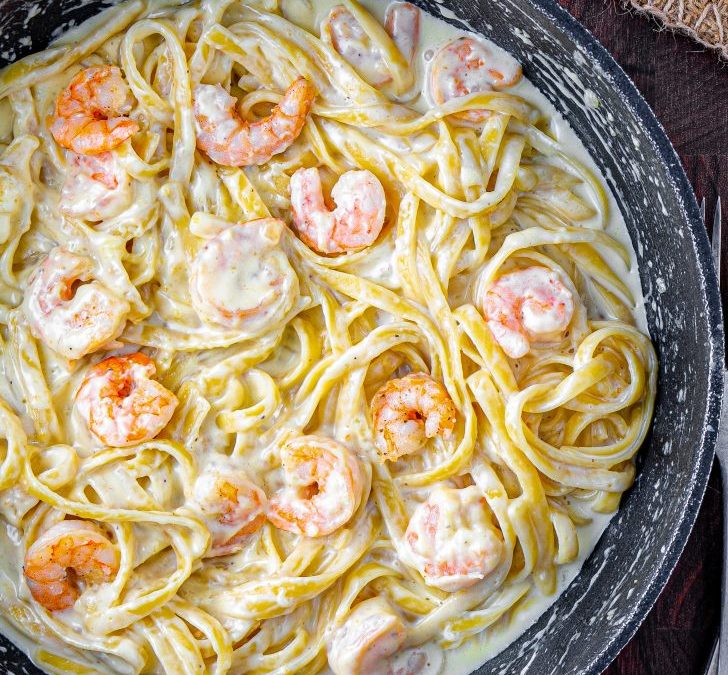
(687, 88)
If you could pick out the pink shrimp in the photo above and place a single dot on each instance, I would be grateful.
(96, 187)
(347, 36)
(349, 39)
(356, 221)
(466, 66)
(451, 539)
(72, 319)
(91, 113)
(233, 507)
(242, 279)
(371, 633)
(325, 484)
(229, 140)
(76, 545)
(409, 410)
(527, 305)
(120, 402)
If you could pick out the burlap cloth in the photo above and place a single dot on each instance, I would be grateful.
(705, 21)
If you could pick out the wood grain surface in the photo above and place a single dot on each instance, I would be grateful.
(687, 88)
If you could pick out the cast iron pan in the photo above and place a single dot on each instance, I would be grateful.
(618, 585)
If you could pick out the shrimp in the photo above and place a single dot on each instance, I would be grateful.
(121, 404)
(96, 187)
(371, 633)
(347, 36)
(356, 221)
(241, 278)
(325, 486)
(68, 552)
(402, 22)
(527, 305)
(466, 66)
(408, 411)
(72, 319)
(451, 540)
(229, 140)
(232, 506)
(91, 113)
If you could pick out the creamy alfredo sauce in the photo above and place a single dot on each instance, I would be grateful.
(476, 651)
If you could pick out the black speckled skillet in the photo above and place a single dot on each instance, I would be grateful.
(603, 607)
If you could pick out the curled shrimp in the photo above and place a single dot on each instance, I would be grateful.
(229, 140)
(466, 66)
(527, 305)
(370, 634)
(91, 112)
(66, 553)
(356, 221)
(73, 320)
(242, 279)
(451, 540)
(120, 402)
(348, 37)
(232, 506)
(324, 487)
(96, 187)
(409, 410)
